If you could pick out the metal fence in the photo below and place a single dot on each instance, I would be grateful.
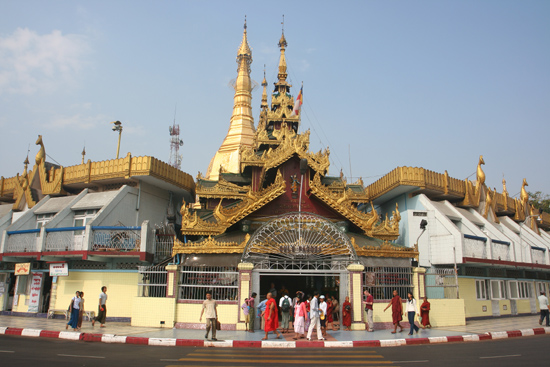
(23, 241)
(382, 281)
(475, 247)
(116, 238)
(152, 281)
(163, 246)
(222, 281)
(440, 283)
(64, 239)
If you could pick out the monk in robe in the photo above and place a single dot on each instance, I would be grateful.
(271, 316)
(396, 311)
(425, 313)
(346, 314)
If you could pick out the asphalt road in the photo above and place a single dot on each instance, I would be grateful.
(25, 351)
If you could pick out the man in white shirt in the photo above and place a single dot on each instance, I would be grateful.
(285, 305)
(314, 316)
(544, 308)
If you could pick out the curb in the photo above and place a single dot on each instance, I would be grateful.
(171, 342)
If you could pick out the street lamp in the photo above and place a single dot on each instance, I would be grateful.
(117, 127)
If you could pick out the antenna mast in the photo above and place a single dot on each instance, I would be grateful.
(175, 144)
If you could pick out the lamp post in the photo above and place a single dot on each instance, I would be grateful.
(117, 127)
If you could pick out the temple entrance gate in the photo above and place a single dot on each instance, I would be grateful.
(302, 251)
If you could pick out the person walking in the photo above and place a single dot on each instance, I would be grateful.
(323, 315)
(369, 303)
(412, 311)
(425, 313)
(544, 309)
(285, 304)
(300, 315)
(102, 309)
(81, 313)
(251, 314)
(396, 304)
(74, 308)
(271, 315)
(346, 314)
(335, 313)
(261, 310)
(211, 315)
(315, 322)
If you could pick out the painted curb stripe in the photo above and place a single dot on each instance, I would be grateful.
(455, 338)
(49, 334)
(345, 344)
(247, 344)
(392, 343)
(13, 331)
(438, 339)
(414, 341)
(514, 333)
(471, 338)
(219, 344)
(110, 338)
(137, 340)
(3, 330)
(499, 335)
(162, 342)
(69, 335)
(31, 332)
(485, 337)
(189, 343)
(366, 343)
(310, 344)
(272, 344)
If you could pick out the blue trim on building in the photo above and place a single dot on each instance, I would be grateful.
(484, 239)
(35, 230)
(501, 242)
(65, 229)
(113, 228)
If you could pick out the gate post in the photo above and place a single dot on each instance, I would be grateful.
(419, 283)
(245, 277)
(356, 295)
(172, 281)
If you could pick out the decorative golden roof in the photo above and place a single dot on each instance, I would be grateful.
(52, 182)
(209, 246)
(241, 126)
(385, 250)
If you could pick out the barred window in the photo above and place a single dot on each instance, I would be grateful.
(382, 281)
(222, 281)
(152, 281)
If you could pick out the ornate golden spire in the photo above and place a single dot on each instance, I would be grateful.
(282, 61)
(241, 127)
(264, 106)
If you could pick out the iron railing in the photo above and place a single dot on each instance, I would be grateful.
(195, 281)
(382, 281)
(23, 241)
(65, 239)
(118, 239)
(152, 281)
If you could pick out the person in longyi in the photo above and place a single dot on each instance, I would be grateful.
(425, 313)
(396, 311)
(271, 316)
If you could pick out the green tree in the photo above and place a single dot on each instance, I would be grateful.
(540, 200)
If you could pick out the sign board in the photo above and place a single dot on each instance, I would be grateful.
(36, 289)
(59, 270)
(22, 269)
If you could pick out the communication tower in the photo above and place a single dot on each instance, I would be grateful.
(175, 144)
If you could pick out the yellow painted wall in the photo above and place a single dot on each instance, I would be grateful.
(502, 303)
(190, 313)
(149, 311)
(22, 306)
(473, 307)
(524, 305)
(121, 289)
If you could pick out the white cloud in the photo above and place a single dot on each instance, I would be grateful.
(78, 121)
(30, 62)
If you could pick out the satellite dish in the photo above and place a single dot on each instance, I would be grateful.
(181, 143)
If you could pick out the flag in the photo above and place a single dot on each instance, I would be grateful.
(298, 103)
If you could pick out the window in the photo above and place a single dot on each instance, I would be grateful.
(43, 219)
(519, 289)
(82, 217)
(498, 289)
(481, 291)
(541, 287)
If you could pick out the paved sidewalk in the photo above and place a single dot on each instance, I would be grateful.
(117, 332)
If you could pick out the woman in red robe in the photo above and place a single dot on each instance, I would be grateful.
(346, 314)
(396, 311)
(425, 313)
(271, 316)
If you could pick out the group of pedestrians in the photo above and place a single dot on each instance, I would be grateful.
(76, 310)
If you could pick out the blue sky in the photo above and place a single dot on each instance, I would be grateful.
(386, 83)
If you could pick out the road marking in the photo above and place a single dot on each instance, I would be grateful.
(79, 356)
(297, 361)
(169, 360)
(7, 351)
(423, 361)
(288, 355)
(506, 356)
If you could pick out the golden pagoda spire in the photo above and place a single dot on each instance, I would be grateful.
(241, 126)
(264, 106)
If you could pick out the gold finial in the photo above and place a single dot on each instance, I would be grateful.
(83, 153)
(504, 191)
(41, 155)
(264, 106)
(479, 173)
(244, 49)
(524, 196)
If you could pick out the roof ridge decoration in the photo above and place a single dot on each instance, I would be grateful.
(222, 189)
(386, 249)
(225, 217)
(342, 203)
(209, 246)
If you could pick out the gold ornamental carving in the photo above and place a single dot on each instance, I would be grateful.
(209, 246)
(386, 249)
(222, 189)
(225, 217)
(387, 229)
